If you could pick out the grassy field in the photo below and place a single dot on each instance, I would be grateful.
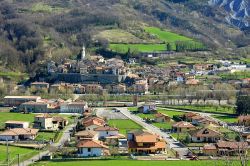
(228, 119)
(44, 8)
(124, 125)
(134, 163)
(169, 112)
(24, 153)
(123, 48)
(46, 136)
(118, 36)
(235, 76)
(5, 116)
(219, 109)
(166, 36)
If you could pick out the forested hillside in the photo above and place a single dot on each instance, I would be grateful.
(32, 30)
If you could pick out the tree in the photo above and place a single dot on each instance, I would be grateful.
(169, 47)
(243, 104)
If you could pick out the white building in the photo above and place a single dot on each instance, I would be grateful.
(90, 148)
(106, 131)
(73, 107)
(16, 124)
(19, 134)
(44, 121)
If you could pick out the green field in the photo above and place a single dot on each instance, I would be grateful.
(166, 36)
(46, 136)
(235, 76)
(5, 116)
(201, 108)
(44, 8)
(24, 153)
(162, 38)
(134, 163)
(228, 119)
(124, 125)
(169, 112)
(123, 48)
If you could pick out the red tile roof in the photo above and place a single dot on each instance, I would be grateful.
(90, 144)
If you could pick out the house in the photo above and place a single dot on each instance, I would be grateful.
(39, 85)
(244, 120)
(229, 148)
(147, 109)
(205, 135)
(93, 89)
(10, 124)
(18, 100)
(90, 123)
(59, 122)
(143, 142)
(18, 134)
(182, 127)
(187, 116)
(106, 131)
(162, 118)
(43, 121)
(85, 135)
(119, 89)
(140, 86)
(195, 119)
(73, 107)
(91, 148)
(35, 107)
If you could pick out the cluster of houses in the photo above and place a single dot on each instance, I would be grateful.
(202, 130)
(36, 104)
(97, 136)
(22, 131)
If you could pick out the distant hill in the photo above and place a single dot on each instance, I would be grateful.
(32, 31)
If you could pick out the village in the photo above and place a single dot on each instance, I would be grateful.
(97, 108)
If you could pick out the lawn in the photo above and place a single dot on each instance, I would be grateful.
(118, 36)
(46, 136)
(133, 163)
(123, 48)
(165, 35)
(201, 108)
(5, 116)
(235, 76)
(169, 112)
(124, 125)
(44, 8)
(228, 119)
(24, 153)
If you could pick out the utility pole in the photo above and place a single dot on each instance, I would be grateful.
(18, 159)
(7, 152)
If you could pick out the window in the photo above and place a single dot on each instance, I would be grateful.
(89, 149)
(198, 138)
(107, 132)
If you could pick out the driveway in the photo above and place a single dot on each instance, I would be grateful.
(173, 144)
(59, 144)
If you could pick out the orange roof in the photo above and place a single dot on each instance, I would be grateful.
(192, 82)
(20, 131)
(159, 115)
(106, 128)
(205, 132)
(190, 114)
(86, 133)
(183, 124)
(143, 136)
(90, 144)
(231, 144)
(197, 117)
(93, 121)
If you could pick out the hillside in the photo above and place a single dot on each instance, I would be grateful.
(32, 31)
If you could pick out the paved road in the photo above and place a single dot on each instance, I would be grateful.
(60, 143)
(173, 144)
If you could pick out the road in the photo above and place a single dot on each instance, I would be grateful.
(60, 143)
(173, 144)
